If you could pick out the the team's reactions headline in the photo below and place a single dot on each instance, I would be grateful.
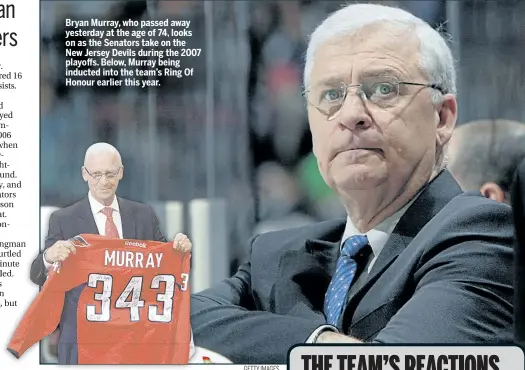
(406, 357)
(396, 362)
(10, 185)
(129, 53)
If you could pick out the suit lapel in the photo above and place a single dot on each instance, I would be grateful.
(86, 220)
(431, 200)
(324, 252)
(305, 272)
(129, 230)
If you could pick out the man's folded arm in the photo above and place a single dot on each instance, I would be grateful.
(224, 319)
(463, 295)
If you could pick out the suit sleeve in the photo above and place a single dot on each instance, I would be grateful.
(225, 320)
(157, 234)
(464, 295)
(38, 269)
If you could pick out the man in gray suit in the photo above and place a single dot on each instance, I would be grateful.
(416, 260)
(101, 212)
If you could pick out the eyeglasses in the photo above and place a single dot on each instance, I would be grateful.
(382, 91)
(110, 175)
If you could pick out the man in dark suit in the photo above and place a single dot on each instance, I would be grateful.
(417, 260)
(100, 212)
(518, 205)
(483, 155)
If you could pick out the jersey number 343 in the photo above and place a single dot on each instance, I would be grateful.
(130, 297)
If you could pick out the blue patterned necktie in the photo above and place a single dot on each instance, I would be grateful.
(335, 298)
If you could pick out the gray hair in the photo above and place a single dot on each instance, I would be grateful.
(101, 148)
(487, 151)
(435, 56)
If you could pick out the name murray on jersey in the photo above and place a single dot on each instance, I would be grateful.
(116, 258)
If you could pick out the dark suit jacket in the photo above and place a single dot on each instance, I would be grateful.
(443, 276)
(138, 222)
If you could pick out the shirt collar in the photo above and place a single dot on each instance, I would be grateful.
(96, 206)
(378, 236)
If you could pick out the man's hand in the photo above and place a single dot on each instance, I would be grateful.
(182, 243)
(331, 337)
(59, 251)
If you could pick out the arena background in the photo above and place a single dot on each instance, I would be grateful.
(238, 131)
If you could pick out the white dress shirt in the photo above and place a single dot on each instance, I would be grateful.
(100, 218)
(377, 238)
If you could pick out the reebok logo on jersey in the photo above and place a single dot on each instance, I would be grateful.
(135, 244)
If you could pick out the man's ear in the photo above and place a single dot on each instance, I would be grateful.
(492, 191)
(84, 173)
(448, 114)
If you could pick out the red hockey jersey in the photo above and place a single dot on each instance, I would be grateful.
(131, 303)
